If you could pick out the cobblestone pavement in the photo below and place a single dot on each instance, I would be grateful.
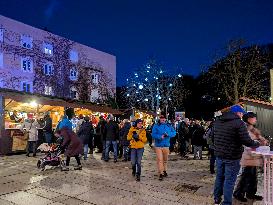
(21, 183)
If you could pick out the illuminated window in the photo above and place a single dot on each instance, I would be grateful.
(26, 42)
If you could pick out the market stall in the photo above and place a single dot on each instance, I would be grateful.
(17, 106)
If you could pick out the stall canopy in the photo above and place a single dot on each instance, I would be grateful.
(16, 98)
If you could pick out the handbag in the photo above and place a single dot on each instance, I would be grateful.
(26, 133)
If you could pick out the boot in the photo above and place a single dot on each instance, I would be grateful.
(160, 177)
(138, 177)
(255, 197)
(240, 198)
(134, 171)
(79, 167)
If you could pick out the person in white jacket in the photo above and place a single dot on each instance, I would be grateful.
(31, 127)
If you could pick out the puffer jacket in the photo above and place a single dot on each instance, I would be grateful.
(249, 159)
(141, 136)
(86, 132)
(229, 135)
(157, 132)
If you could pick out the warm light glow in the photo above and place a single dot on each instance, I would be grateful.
(33, 104)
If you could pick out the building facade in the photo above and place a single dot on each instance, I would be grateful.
(37, 61)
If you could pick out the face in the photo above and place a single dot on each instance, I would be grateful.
(240, 114)
(139, 125)
(252, 120)
(162, 120)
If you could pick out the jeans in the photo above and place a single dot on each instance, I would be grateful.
(197, 151)
(227, 171)
(247, 184)
(31, 144)
(48, 137)
(136, 157)
(115, 147)
(162, 158)
(85, 150)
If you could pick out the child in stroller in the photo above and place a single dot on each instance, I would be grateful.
(54, 155)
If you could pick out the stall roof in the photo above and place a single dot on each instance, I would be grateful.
(257, 102)
(55, 101)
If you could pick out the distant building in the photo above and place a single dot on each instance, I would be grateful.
(37, 61)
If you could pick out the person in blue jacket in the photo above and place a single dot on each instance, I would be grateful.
(162, 133)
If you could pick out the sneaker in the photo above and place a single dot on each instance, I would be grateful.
(240, 198)
(115, 161)
(137, 177)
(165, 174)
(79, 167)
(255, 197)
(160, 177)
(217, 202)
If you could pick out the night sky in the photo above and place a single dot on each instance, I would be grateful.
(180, 33)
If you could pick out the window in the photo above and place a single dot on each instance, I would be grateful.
(48, 48)
(73, 74)
(26, 87)
(48, 69)
(74, 56)
(95, 78)
(26, 64)
(1, 60)
(1, 34)
(94, 95)
(73, 93)
(48, 90)
(26, 42)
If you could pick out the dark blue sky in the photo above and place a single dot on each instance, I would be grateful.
(180, 33)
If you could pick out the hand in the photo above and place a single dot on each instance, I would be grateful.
(135, 136)
(134, 132)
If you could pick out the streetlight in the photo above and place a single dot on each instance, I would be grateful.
(179, 75)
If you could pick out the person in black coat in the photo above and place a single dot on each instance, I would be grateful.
(198, 140)
(85, 133)
(111, 135)
(123, 139)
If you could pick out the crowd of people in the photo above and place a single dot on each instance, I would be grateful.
(228, 140)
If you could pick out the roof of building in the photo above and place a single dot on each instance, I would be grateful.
(55, 101)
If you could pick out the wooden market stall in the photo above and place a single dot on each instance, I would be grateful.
(16, 106)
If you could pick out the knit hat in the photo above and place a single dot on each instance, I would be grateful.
(138, 121)
(237, 108)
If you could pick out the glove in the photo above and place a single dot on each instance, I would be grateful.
(135, 136)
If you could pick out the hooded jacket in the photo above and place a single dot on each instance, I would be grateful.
(141, 136)
(229, 135)
(157, 132)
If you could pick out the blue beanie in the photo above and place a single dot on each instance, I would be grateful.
(237, 108)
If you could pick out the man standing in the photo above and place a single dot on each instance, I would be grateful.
(183, 136)
(47, 128)
(162, 133)
(111, 133)
(229, 135)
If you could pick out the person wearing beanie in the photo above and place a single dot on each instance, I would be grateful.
(247, 185)
(137, 138)
(161, 133)
(229, 135)
(85, 133)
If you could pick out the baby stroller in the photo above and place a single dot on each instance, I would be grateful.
(54, 155)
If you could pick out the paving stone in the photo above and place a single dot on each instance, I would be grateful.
(24, 198)
(43, 193)
(4, 202)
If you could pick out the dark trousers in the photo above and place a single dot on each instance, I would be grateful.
(77, 159)
(212, 160)
(31, 145)
(183, 147)
(247, 184)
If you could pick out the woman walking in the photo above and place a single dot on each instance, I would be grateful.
(137, 138)
(162, 133)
